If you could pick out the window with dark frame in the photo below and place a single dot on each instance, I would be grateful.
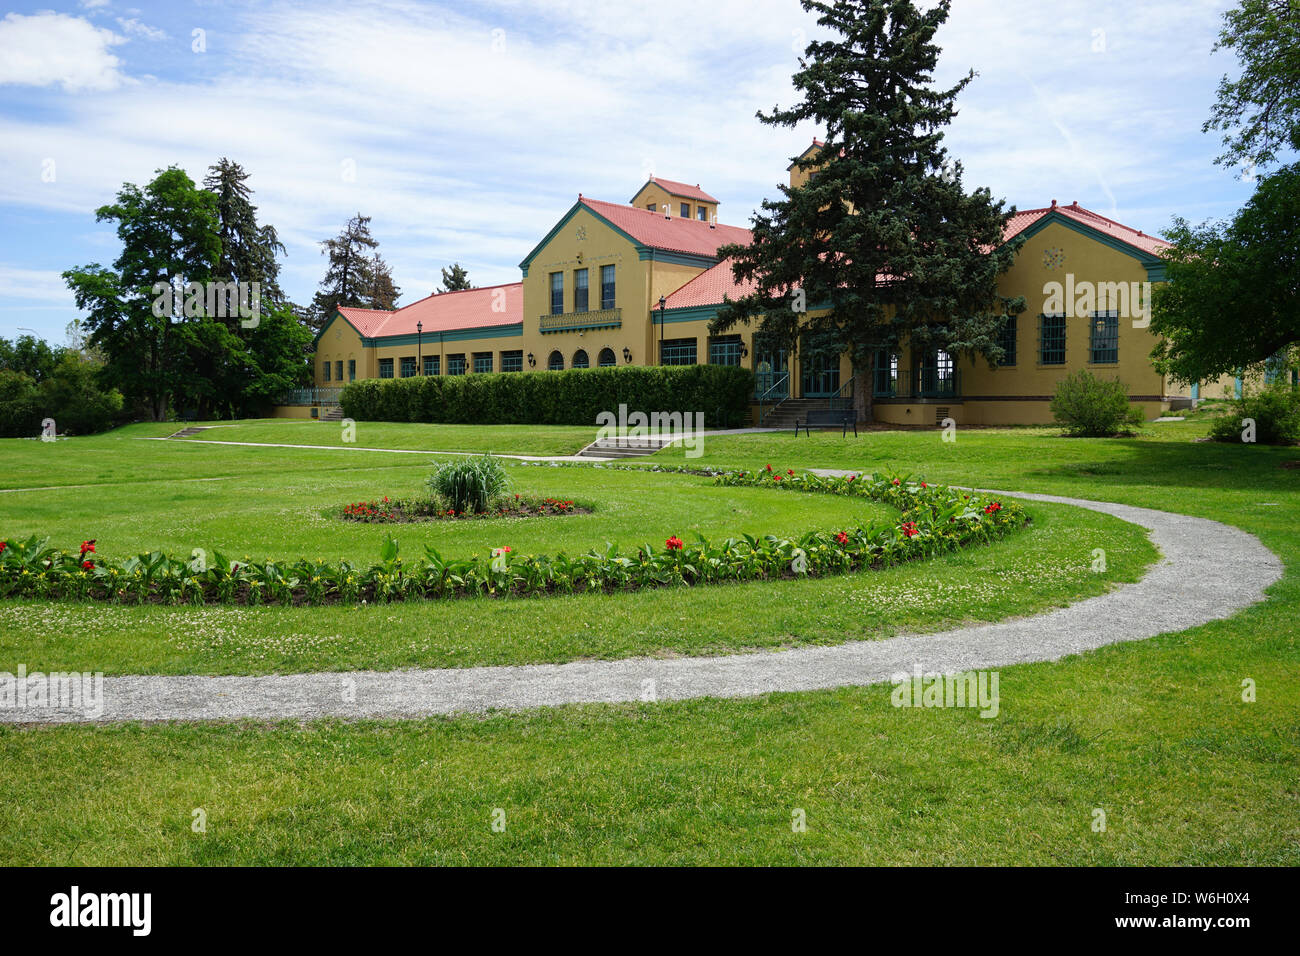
(557, 293)
(432, 364)
(1051, 340)
(701, 213)
(482, 362)
(556, 362)
(1007, 341)
(606, 358)
(724, 350)
(677, 352)
(686, 210)
(386, 368)
(352, 370)
(338, 370)
(512, 361)
(456, 364)
(326, 370)
(607, 287)
(580, 359)
(408, 366)
(579, 290)
(1104, 338)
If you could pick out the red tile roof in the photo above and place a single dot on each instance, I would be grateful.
(1024, 218)
(673, 188)
(672, 235)
(710, 286)
(364, 321)
(467, 309)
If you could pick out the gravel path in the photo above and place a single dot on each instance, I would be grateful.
(1208, 571)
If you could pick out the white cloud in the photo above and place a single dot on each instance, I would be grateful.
(134, 27)
(48, 49)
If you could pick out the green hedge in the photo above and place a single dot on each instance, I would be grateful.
(575, 397)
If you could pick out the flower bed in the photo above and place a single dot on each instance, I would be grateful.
(933, 520)
(429, 509)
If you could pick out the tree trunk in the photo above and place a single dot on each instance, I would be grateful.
(862, 393)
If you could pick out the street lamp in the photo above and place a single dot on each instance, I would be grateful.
(662, 302)
(419, 353)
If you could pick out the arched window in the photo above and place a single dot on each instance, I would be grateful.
(556, 362)
(580, 359)
(606, 358)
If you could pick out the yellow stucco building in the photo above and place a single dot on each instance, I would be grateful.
(595, 288)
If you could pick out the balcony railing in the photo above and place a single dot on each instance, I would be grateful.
(311, 396)
(568, 321)
(928, 383)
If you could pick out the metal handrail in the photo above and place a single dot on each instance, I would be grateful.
(762, 399)
(844, 394)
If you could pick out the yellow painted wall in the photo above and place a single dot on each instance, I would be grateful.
(341, 341)
(654, 193)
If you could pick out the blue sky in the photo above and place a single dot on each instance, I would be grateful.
(466, 129)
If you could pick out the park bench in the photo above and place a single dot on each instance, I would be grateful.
(828, 418)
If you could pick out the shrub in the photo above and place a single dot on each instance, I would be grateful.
(1275, 410)
(574, 397)
(470, 484)
(1090, 407)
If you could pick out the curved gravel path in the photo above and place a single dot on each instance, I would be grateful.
(1208, 571)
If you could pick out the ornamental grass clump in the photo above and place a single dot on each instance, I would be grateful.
(470, 485)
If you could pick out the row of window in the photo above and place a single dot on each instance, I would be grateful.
(581, 290)
(701, 212)
(456, 365)
(337, 369)
(1103, 339)
(580, 359)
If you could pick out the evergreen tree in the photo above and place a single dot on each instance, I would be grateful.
(454, 279)
(349, 278)
(883, 234)
(383, 294)
(248, 251)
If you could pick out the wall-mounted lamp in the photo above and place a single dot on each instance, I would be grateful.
(532, 360)
(627, 355)
(744, 350)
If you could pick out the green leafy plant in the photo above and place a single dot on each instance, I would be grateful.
(933, 520)
(470, 484)
(1274, 409)
(1090, 407)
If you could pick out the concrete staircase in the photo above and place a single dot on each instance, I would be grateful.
(335, 414)
(187, 432)
(793, 409)
(623, 447)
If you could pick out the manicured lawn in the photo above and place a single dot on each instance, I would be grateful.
(503, 439)
(283, 513)
(1154, 732)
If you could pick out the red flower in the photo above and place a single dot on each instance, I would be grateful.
(895, 481)
(88, 546)
(789, 471)
(910, 529)
(674, 543)
(776, 477)
(924, 485)
(990, 509)
(769, 467)
(842, 538)
(3, 545)
(88, 565)
(851, 477)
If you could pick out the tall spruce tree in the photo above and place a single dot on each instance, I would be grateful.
(883, 236)
(349, 278)
(249, 251)
(383, 292)
(454, 279)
